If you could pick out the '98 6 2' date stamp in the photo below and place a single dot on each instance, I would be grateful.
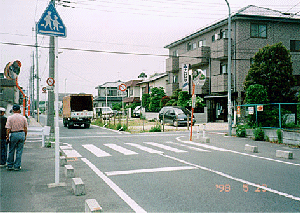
(228, 188)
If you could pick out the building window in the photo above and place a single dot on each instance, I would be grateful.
(1, 91)
(295, 45)
(175, 53)
(189, 46)
(175, 78)
(194, 45)
(258, 30)
(202, 43)
(112, 93)
(223, 69)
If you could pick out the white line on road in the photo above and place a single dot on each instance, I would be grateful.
(71, 153)
(135, 207)
(235, 152)
(234, 178)
(96, 151)
(163, 169)
(120, 149)
(146, 149)
(189, 147)
(165, 147)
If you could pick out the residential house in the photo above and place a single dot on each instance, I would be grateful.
(133, 92)
(206, 51)
(109, 94)
(156, 80)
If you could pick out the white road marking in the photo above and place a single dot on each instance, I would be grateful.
(146, 149)
(96, 151)
(135, 207)
(113, 130)
(120, 149)
(234, 178)
(235, 152)
(163, 169)
(166, 147)
(71, 153)
(189, 147)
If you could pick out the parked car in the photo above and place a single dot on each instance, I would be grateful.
(105, 112)
(175, 115)
(137, 111)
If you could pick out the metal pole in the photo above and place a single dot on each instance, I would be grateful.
(37, 77)
(56, 115)
(229, 72)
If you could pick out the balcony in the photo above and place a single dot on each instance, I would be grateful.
(219, 49)
(196, 57)
(219, 83)
(172, 64)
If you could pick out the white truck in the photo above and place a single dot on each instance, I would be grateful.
(77, 110)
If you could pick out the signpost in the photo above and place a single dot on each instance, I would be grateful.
(52, 25)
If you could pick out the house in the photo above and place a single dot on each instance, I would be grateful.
(109, 94)
(206, 52)
(133, 92)
(156, 80)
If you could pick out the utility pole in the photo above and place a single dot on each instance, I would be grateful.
(37, 78)
(32, 83)
(50, 109)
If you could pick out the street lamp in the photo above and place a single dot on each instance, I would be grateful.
(229, 72)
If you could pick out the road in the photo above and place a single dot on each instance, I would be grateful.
(165, 172)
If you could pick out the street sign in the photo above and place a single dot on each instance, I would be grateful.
(50, 23)
(122, 87)
(50, 81)
(44, 89)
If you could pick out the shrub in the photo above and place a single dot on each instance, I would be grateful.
(119, 126)
(241, 131)
(279, 135)
(156, 128)
(259, 134)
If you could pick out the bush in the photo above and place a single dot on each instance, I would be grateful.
(241, 131)
(156, 128)
(279, 135)
(259, 134)
(119, 126)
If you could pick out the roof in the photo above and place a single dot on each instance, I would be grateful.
(155, 77)
(251, 11)
(110, 84)
(132, 83)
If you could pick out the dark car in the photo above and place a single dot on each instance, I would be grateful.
(175, 115)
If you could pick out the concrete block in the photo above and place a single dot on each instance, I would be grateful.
(69, 171)
(250, 148)
(62, 160)
(91, 205)
(78, 186)
(284, 154)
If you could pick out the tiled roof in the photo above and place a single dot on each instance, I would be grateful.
(155, 77)
(110, 84)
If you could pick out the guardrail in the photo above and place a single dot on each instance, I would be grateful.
(43, 131)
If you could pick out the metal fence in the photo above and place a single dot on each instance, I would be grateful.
(274, 115)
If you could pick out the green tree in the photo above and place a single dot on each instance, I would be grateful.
(155, 97)
(183, 98)
(146, 101)
(272, 68)
(256, 94)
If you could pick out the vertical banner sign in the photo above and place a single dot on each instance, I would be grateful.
(185, 77)
(251, 110)
(238, 111)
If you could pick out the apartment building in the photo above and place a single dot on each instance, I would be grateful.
(206, 51)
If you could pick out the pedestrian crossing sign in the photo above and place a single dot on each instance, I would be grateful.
(50, 23)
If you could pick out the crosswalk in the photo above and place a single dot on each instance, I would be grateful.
(128, 149)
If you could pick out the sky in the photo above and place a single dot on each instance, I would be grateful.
(127, 37)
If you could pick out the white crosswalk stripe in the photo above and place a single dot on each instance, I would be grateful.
(96, 151)
(166, 147)
(120, 149)
(146, 149)
(189, 147)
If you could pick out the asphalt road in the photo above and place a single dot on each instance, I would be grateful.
(165, 172)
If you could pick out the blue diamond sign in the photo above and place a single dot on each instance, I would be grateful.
(50, 23)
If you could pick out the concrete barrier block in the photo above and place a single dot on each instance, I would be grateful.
(91, 205)
(250, 148)
(201, 139)
(284, 154)
(62, 160)
(78, 186)
(69, 171)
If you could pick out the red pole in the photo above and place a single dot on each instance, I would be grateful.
(193, 93)
(28, 107)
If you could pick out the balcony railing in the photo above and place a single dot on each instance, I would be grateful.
(219, 83)
(219, 49)
(199, 56)
(172, 64)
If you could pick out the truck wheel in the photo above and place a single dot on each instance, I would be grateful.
(70, 126)
(86, 126)
(65, 124)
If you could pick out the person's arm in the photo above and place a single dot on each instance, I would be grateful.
(25, 130)
(7, 134)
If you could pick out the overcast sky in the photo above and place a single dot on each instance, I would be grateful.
(123, 26)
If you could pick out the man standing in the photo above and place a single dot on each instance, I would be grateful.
(3, 146)
(17, 128)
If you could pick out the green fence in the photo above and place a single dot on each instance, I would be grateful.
(274, 115)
